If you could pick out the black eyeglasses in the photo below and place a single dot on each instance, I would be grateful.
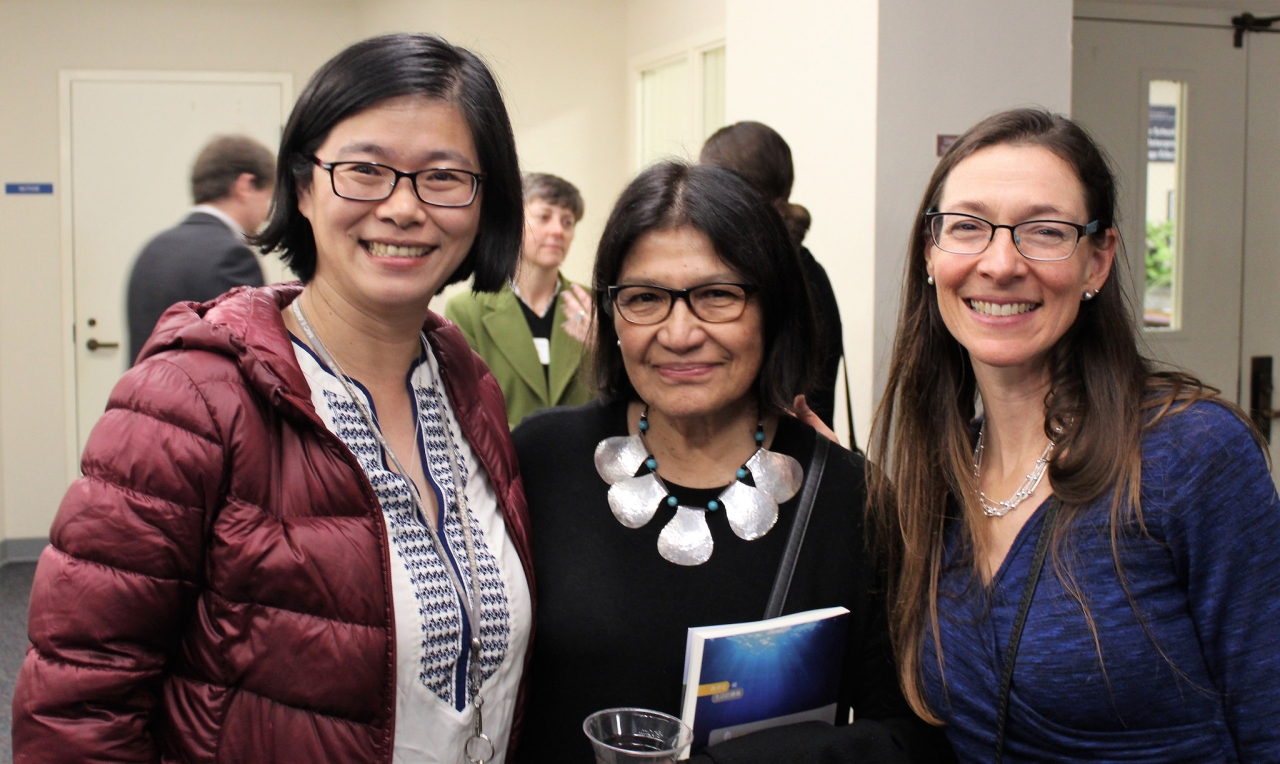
(716, 303)
(373, 182)
(1043, 240)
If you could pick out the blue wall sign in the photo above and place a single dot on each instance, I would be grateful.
(28, 188)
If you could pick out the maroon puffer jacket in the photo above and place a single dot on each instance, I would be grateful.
(217, 587)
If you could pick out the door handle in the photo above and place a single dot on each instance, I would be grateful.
(93, 344)
(1261, 386)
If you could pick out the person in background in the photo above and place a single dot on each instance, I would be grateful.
(1089, 569)
(205, 254)
(534, 350)
(643, 520)
(300, 535)
(757, 153)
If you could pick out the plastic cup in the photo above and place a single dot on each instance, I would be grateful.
(630, 735)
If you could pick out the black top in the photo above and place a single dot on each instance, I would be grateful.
(822, 398)
(613, 615)
(540, 326)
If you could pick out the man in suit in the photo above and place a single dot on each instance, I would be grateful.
(206, 254)
(534, 350)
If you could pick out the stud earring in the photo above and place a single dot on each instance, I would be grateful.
(930, 280)
(1088, 294)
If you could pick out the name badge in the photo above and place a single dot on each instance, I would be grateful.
(543, 346)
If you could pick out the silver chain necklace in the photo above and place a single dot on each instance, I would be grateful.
(478, 748)
(1000, 509)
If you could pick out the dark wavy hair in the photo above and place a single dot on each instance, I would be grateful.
(368, 73)
(1103, 393)
(748, 235)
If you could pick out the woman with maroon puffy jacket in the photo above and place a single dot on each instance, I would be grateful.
(301, 534)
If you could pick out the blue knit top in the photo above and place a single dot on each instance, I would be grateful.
(1195, 678)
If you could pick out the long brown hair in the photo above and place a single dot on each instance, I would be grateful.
(1103, 393)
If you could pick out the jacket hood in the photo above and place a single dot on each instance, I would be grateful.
(245, 325)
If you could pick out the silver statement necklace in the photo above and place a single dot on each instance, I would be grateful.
(1000, 509)
(751, 510)
(478, 748)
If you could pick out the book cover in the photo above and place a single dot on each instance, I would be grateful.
(744, 677)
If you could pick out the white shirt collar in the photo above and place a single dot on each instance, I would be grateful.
(230, 222)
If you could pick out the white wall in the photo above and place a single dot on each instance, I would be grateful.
(809, 71)
(944, 65)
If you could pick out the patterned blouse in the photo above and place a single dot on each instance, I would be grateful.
(433, 713)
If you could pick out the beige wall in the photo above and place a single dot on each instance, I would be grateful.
(852, 85)
(656, 24)
(561, 65)
(942, 67)
(38, 38)
(562, 70)
(810, 73)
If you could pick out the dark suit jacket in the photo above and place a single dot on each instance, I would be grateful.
(196, 260)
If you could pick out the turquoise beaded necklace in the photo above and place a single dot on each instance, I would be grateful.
(652, 463)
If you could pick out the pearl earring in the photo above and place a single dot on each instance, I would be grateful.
(1088, 294)
(930, 280)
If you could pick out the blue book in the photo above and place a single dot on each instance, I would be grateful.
(743, 677)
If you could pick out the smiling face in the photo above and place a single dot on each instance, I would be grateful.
(548, 232)
(685, 367)
(396, 253)
(1006, 310)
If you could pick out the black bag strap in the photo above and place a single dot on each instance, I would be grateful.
(1015, 636)
(848, 405)
(795, 539)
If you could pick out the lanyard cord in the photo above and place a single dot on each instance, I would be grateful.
(470, 605)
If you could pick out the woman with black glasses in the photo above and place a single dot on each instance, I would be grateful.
(300, 534)
(670, 503)
(1087, 567)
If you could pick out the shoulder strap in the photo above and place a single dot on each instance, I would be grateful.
(795, 539)
(848, 405)
(1015, 637)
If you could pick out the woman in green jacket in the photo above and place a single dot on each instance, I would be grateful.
(534, 350)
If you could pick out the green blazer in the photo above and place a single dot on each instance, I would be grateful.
(496, 329)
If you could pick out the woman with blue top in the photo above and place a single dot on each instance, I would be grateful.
(1087, 566)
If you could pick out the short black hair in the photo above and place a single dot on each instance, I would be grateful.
(221, 163)
(748, 235)
(553, 189)
(390, 66)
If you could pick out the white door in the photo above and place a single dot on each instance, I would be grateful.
(1260, 338)
(129, 141)
(1193, 125)
(1115, 64)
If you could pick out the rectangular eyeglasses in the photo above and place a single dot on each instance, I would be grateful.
(1043, 240)
(373, 182)
(716, 303)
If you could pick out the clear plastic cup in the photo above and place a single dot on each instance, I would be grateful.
(630, 735)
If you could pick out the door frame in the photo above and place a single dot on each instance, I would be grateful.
(66, 78)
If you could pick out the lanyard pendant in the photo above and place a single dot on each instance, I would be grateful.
(479, 748)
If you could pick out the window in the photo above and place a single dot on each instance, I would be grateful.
(1165, 145)
(680, 102)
